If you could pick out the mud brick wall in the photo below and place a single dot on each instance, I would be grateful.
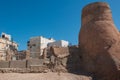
(68, 57)
(18, 64)
(74, 59)
(60, 52)
(4, 64)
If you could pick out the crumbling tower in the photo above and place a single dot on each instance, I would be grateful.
(99, 41)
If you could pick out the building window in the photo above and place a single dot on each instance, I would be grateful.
(3, 36)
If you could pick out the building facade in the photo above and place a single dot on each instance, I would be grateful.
(8, 47)
(36, 46)
(61, 43)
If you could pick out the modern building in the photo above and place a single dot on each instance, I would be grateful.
(8, 47)
(36, 46)
(61, 43)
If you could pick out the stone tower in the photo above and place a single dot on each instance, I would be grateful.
(99, 41)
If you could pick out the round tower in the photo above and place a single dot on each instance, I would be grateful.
(99, 41)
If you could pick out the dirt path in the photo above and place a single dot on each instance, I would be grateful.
(41, 76)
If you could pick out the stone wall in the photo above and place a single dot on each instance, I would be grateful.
(4, 64)
(60, 51)
(67, 57)
(18, 64)
(34, 62)
(23, 63)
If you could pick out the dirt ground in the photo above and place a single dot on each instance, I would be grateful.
(41, 76)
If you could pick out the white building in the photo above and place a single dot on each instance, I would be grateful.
(7, 47)
(36, 45)
(6, 36)
(61, 43)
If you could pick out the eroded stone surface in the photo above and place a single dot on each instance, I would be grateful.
(99, 41)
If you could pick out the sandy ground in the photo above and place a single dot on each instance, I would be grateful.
(41, 76)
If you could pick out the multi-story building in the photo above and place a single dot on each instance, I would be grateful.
(36, 46)
(7, 47)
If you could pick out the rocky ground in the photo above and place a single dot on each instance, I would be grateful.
(42, 76)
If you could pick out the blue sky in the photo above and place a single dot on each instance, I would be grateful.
(59, 19)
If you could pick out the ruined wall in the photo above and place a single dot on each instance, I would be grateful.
(60, 52)
(74, 60)
(68, 57)
(60, 59)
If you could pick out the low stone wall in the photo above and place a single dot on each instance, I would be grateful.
(21, 63)
(34, 62)
(18, 64)
(4, 64)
